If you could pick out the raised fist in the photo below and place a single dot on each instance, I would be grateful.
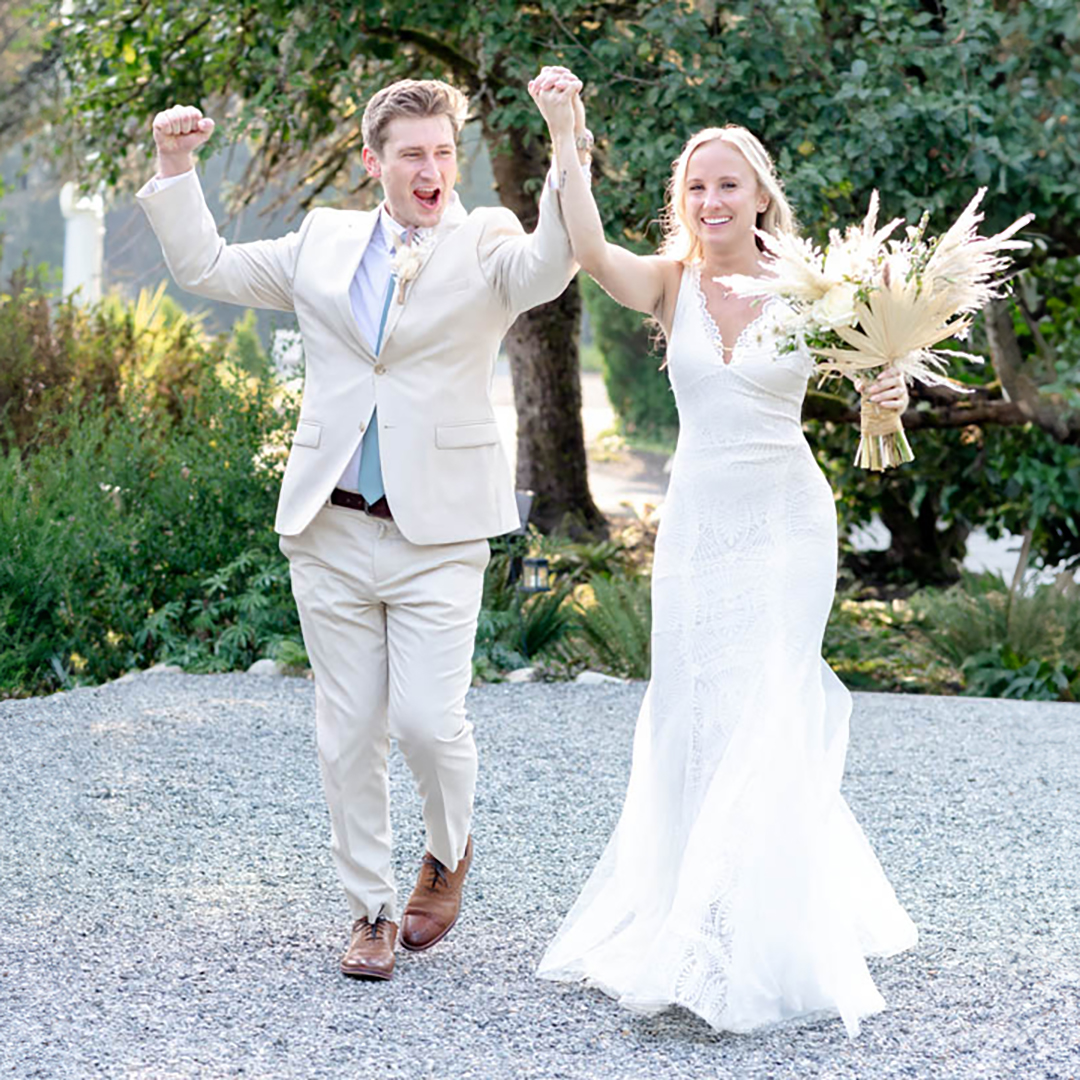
(554, 91)
(181, 130)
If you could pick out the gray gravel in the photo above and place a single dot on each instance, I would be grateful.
(168, 908)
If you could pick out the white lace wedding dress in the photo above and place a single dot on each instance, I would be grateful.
(737, 882)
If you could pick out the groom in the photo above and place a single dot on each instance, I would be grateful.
(396, 475)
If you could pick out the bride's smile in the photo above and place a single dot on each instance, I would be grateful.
(723, 203)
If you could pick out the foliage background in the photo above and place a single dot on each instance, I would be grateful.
(138, 481)
(923, 99)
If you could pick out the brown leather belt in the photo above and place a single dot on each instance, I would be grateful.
(380, 508)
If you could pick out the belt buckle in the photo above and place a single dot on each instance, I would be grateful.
(383, 512)
(353, 500)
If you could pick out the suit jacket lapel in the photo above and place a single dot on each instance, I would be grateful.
(452, 218)
(353, 241)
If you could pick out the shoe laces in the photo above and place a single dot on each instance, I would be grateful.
(374, 930)
(439, 873)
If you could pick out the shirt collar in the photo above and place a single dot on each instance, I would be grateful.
(393, 231)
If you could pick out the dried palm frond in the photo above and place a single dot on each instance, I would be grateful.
(898, 326)
(797, 269)
(964, 267)
(794, 270)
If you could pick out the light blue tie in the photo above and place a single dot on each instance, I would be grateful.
(370, 480)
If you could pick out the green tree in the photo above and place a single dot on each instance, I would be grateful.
(922, 99)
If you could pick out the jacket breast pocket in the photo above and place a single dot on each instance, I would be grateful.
(462, 435)
(308, 433)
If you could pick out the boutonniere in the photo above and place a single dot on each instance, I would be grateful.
(406, 261)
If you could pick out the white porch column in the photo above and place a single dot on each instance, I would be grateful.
(84, 242)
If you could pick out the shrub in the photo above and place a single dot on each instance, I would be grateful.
(639, 391)
(982, 612)
(875, 644)
(514, 628)
(1022, 642)
(105, 528)
(544, 630)
(1003, 673)
(614, 624)
(242, 612)
(53, 353)
(135, 521)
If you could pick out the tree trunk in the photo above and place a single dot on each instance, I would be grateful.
(543, 349)
(931, 555)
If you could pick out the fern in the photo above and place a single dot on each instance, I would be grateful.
(545, 620)
(616, 628)
(981, 614)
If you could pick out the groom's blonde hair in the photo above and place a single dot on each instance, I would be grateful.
(412, 97)
(681, 242)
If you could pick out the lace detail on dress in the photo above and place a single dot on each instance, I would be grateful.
(702, 982)
(756, 324)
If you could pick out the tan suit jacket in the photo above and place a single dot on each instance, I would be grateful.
(444, 470)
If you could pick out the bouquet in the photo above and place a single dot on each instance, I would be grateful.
(868, 302)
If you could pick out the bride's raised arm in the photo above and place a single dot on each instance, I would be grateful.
(646, 283)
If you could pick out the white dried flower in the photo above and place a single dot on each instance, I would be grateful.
(836, 307)
(406, 262)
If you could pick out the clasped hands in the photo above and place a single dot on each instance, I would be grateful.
(557, 93)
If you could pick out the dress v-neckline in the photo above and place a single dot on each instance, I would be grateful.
(711, 326)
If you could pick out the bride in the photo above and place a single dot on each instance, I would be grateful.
(737, 883)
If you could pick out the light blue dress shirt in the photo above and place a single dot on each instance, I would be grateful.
(367, 295)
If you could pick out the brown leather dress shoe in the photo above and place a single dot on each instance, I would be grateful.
(433, 907)
(371, 949)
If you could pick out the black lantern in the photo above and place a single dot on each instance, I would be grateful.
(535, 575)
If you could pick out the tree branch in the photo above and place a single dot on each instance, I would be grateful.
(1020, 387)
(959, 414)
(964, 414)
(463, 66)
(13, 114)
(1041, 345)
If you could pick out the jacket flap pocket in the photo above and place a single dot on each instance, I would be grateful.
(308, 433)
(459, 436)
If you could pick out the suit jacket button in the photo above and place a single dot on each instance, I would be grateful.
(380, 369)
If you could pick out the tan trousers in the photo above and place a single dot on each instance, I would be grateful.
(389, 628)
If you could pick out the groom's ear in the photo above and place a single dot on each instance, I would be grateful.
(371, 163)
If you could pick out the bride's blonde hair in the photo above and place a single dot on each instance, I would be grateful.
(680, 241)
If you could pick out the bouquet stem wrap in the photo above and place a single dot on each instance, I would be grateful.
(882, 442)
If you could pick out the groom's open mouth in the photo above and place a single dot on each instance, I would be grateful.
(429, 198)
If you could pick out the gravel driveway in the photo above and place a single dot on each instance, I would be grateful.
(168, 908)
